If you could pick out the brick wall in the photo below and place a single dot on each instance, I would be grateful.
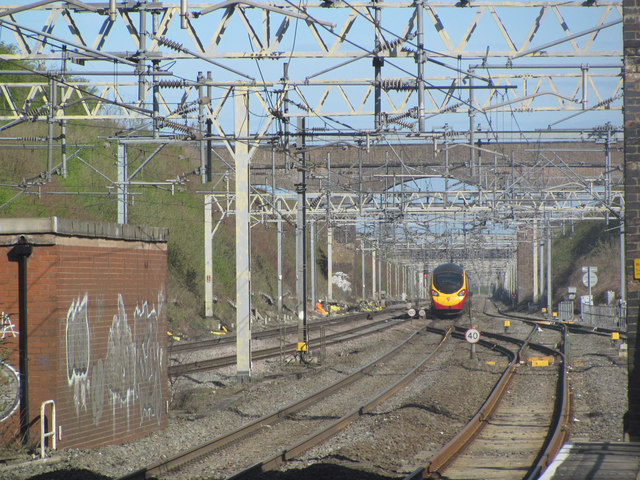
(96, 329)
(525, 266)
(631, 38)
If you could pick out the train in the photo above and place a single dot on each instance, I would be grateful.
(450, 291)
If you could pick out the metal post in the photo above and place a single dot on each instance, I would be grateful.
(420, 62)
(156, 87)
(445, 199)
(472, 117)
(53, 90)
(156, 100)
(380, 277)
(140, 67)
(312, 260)
(329, 233)
(623, 283)
(201, 128)
(541, 265)
(374, 292)
(378, 62)
(123, 187)
(360, 192)
(63, 134)
(278, 204)
(329, 262)
(209, 124)
(395, 290)
(549, 291)
(243, 250)
(279, 235)
(184, 14)
(362, 262)
(19, 253)
(534, 244)
(301, 241)
(208, 256)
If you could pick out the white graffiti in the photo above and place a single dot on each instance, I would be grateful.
(6, 325)
(341, 280)
(78, 352)
(120, 364)
(149, 357)
(132, 369)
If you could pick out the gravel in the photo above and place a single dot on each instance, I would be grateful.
(412, 425)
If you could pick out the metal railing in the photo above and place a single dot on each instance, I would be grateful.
(44, 434)
(605, 316)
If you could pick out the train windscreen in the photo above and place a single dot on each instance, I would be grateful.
(448, 282)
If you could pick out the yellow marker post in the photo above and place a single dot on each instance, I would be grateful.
(507, 324)
(615, 336)
(636, 268)
(301, 347)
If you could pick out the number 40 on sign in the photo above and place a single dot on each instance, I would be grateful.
(472, 335)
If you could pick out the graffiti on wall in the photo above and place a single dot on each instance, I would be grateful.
(6, 325)
(149, 355)
(9, 390)
(130, 373)
(78, 352)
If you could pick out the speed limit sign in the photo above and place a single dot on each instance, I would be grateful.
(472, 335)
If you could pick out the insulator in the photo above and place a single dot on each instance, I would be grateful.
(299, 105)
(396, 84)
(404, 124)
(32, 139)
(162, 40)
(604, 103)
(394, 44)
(399, 117)
(183, 109)
(171, 83)
(409, 50)
(450, 109)
(35, 112)
(177, 126)
(607, 127)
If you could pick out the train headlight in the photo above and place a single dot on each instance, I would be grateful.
(462, 293)
(434, 293)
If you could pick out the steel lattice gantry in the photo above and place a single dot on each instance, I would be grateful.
(424, 55)
(352, 70)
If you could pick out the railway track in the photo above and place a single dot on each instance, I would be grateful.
(230, 338)
(521, 426)
(306, 414)
(385, 320)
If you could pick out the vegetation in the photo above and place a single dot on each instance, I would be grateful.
(588, 243)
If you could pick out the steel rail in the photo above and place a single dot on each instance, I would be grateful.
(210, 446)
(332, 429)
(473, 427)
(572, 327)
(562, 410)
(559, 422)
(226, 360)
(257, 335)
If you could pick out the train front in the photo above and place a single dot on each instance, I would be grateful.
(449, 290)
